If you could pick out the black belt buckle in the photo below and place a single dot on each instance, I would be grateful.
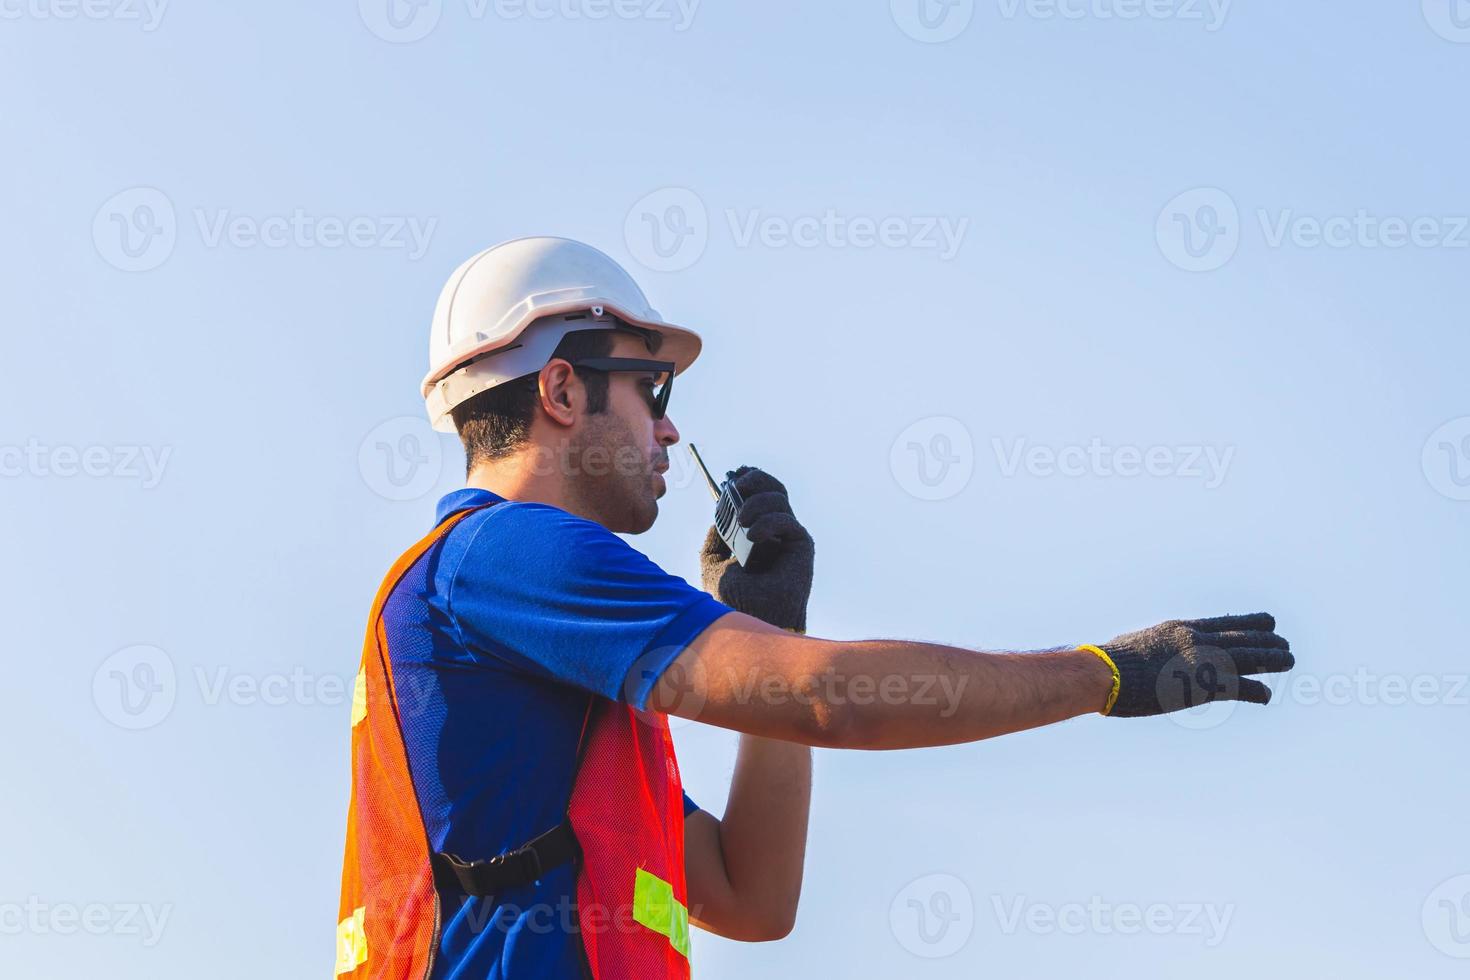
(528, 862)
(511, 869)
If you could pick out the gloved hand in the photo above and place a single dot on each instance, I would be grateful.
(777, 590)
(1183, 663)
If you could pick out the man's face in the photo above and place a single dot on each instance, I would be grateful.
(623, 453)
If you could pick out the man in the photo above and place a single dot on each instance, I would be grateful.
(516, 807)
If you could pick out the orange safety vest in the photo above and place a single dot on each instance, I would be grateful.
(626, 812)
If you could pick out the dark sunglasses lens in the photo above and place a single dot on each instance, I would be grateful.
(658, 395)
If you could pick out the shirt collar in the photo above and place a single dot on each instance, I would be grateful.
(453, 503)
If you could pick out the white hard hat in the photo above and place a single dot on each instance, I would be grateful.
(503, 312)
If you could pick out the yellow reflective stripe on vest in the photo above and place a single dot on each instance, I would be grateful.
(359, 697)
(655, 906)
(352, 949)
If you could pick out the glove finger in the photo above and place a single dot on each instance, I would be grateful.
(777, 527)
(1231, 639)
(1257, 660)
(751, 481)
(714, 546)
(1253, 692)
(762, 504)
(1220, 624)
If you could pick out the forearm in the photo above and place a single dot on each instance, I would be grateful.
(902, 695)
(763, 832)
(744, 675)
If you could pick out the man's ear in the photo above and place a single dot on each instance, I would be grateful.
(561, 391)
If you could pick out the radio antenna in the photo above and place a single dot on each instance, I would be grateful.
(714, 488)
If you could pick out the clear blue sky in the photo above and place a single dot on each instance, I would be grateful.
(1171, 252)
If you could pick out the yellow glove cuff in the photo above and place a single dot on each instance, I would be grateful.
(1117, 677)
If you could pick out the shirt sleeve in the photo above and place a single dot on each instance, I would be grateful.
(689, 805)
(565, 598)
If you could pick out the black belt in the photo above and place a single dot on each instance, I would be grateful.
(513, 869)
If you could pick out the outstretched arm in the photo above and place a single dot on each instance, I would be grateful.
(874, 694)
(779, 687)
(895, 694)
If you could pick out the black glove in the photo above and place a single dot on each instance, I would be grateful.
(1183, 663)
(776, 590)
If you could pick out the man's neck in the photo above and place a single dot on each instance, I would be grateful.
(515, 478)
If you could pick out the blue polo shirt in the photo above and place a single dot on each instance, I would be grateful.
(497, 639)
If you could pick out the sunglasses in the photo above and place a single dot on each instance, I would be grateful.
(655, 393)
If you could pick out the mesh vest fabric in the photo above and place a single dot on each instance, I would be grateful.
(626, 809)
(388, 914)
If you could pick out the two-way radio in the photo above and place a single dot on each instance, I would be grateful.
(727, 509)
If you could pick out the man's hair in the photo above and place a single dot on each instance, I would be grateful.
(496, 423)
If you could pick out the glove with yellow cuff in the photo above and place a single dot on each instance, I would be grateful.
(1188, 662)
